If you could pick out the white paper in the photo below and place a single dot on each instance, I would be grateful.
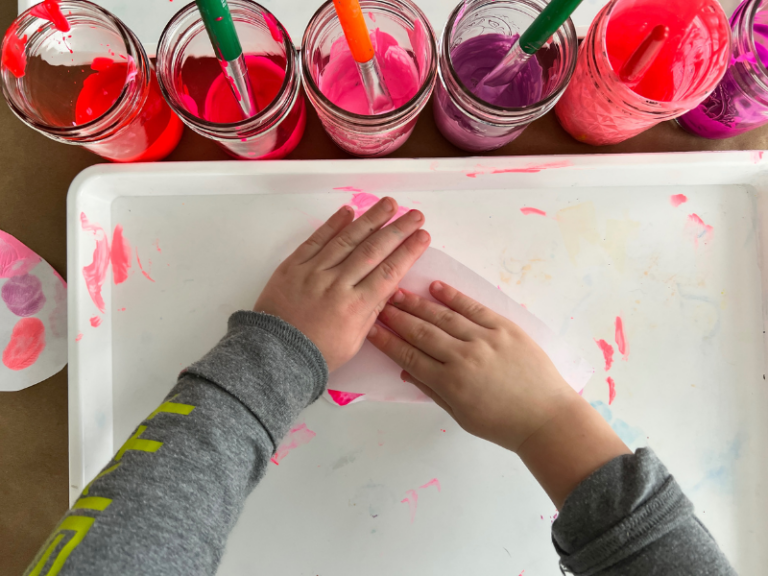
(33, 317)
(373, 376)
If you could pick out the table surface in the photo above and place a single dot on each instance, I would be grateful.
(36, 173)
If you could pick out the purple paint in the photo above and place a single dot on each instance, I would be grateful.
(24, 295)
(474, 58)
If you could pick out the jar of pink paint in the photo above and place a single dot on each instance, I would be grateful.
(404, 44)
(77, 74)
(476, 37)
(192, 82)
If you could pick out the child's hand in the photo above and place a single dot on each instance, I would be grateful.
(480, 367)
(334, 285)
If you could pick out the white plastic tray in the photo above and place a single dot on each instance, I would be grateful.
(611, 245)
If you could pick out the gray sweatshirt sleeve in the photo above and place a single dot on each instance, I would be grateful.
(630, 518)
(166, 502)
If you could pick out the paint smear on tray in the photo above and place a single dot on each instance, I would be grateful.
(96, 272)
(362, 202)
(677, 199)
(607, 350)
(344, 398)
(297, 436)
(146, 274)
(24, 295)
(27, 342)
(348, 189)
(529, 169)
(621, 341)
(529, 211)
(16, 259)
(412, 496)
(611, 390)
(95, 321)
(699, 230)
(120, 256)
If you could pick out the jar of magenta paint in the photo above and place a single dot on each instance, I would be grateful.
(77, 74)
(740, 102)
(476, 37)
(192, 82)
(599, 107)
(404, 44)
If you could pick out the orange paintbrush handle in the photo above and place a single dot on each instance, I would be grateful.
(355, 30)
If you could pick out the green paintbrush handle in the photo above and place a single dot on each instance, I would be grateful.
(221, 29)
(547, 23)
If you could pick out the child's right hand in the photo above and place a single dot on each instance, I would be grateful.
(480, 367)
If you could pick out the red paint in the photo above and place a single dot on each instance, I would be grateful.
(146, 275)
(621, 341)
(15, 51)
(343, 398)
(611, 390)
(277, 35)
(96, 272)
(528, 211)
(607, 353)
(297, 436)
(27, 342)
(677, 199)
(95, 321)
(50, 10)
(120, 256)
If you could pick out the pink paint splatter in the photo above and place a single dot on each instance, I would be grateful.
(434, 482)
(15, 258)
(607, 353)
(621, 341)
(699, 230)
(611, 390)
(121, 309)
(95, 321)
(26, 344)
(528, 211)
(362, 202)
(298, 436)
(50, 10)
(677, 199)
(146, 274)
(344, 398)
(14, 56)
(120, 256)
(79, 337)
(220, 18)
(412, 497)
(274, 29)
(96, 272)
(530, 169)
(348, 189)
(156, 244)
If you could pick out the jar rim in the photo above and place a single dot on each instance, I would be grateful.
(270, 114)
(371, 120)
(758, 67)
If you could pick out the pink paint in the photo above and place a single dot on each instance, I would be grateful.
(27, 342)
(677, 199)
(156, 244)
(607, 350)
(50, 10)
(146, 275)
(274, 29)
(530, 169)
(412, 496)
(699, 230)
(297, 436)
(362, 202)
(14, 56)
(95, 321)
(23, 295)
(120, 256)
(96, 272)
(621, 341)
(348, 189)
(611, 390)
(528, 211)
(434, 482)
(79, 337)
(15, 258)
(219, 19)
(344, 398)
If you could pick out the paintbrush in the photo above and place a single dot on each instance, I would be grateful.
(221, 30)
(356, 32)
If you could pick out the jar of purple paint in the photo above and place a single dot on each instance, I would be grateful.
(740, 102)
(477, 36)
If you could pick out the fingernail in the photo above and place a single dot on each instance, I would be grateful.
(398, 297)
(422, 236)
(389, 204)
(415, 215)
(437, 286)
(373, 331)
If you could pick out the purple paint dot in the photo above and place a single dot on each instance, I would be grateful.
(24, 295)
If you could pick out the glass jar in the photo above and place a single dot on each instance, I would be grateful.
(599, 108)
(82, 77)
(192, 82)
(473, 124)
(403, 22)
(740, 102)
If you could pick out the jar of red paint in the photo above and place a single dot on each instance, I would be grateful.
(76, 73)
(192, 82)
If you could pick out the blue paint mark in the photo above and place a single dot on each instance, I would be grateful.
(632, 436)
(720, 474)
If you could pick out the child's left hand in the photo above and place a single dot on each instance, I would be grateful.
(334, 285)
